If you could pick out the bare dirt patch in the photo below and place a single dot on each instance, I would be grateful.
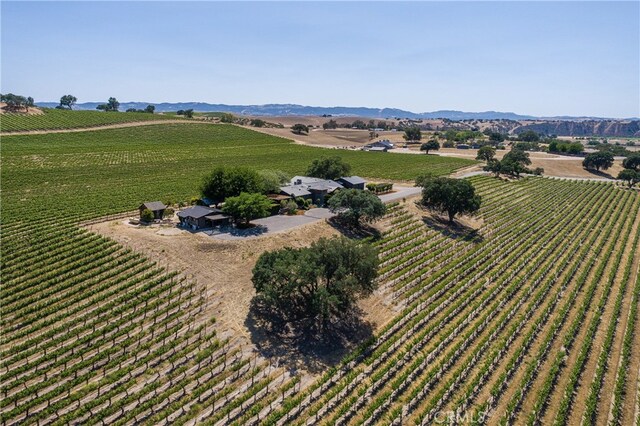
(224, 268)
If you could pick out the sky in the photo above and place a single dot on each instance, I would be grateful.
(538, 58)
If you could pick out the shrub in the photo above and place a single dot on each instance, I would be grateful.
(147, 216)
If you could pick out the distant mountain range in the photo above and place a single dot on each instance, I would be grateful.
(292, 109)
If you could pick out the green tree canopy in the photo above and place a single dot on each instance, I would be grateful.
(331, 124)
(486, 153)
(67, 101)
(272, 180)
(412, 134)
(514, 162)
(319, 283)
(529, 136)
(598, 160)
(112, 105)
(328, 168)
(14, 102)
(450, 196)
(150, 109)
(246, 207)
(227, 118)
(355, 206)
(493, 166)
(298, 129)
(225, 182)
(632, 161)
(495, 136)
(147, 216)
(630, 176)
(431, 145)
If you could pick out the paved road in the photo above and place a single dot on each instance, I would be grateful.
(401, 192)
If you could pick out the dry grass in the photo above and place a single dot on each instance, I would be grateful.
(224, 267)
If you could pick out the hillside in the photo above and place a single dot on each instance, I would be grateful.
(57, 119)
(604, 128)
(294, 109)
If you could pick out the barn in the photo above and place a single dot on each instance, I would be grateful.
(156, 207)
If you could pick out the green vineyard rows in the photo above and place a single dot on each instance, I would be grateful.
(524, 321)
(56, 119)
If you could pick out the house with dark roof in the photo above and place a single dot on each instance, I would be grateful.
(198, 217)
(156, 207)
(295, 191)
(311, 187)
(352, 182)
(319, 190)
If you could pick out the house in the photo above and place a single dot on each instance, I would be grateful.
(376, 149)
(353, 182)
(385, 143)
(295, 191)
(310, 187)
(198, 217)
(320, 190)
(156, 207)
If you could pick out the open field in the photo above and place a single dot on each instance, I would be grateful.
(56, 119)
(554, 165)
(529, 312)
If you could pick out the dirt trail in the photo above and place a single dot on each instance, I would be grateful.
(106, 126)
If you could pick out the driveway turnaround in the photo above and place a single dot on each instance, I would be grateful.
(270, 225)
(280, 223)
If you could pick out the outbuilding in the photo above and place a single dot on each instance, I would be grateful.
(156, 207)
(352, 182)
(198, 217)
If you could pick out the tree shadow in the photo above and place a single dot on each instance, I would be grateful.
(303, 345)
(455, 230)
(599, 173)
(249, 231)
(362, 232)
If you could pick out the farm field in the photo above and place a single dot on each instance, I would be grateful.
(109, 171)
(56, 119)
(530, 319)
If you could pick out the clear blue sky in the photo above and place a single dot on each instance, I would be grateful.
(539, 58)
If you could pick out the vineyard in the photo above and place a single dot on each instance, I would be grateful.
(530, 319)
(57, 119)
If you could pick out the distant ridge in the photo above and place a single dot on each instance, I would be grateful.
(293, 109)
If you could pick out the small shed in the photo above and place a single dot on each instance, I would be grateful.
(353, 182)
(156, 207)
